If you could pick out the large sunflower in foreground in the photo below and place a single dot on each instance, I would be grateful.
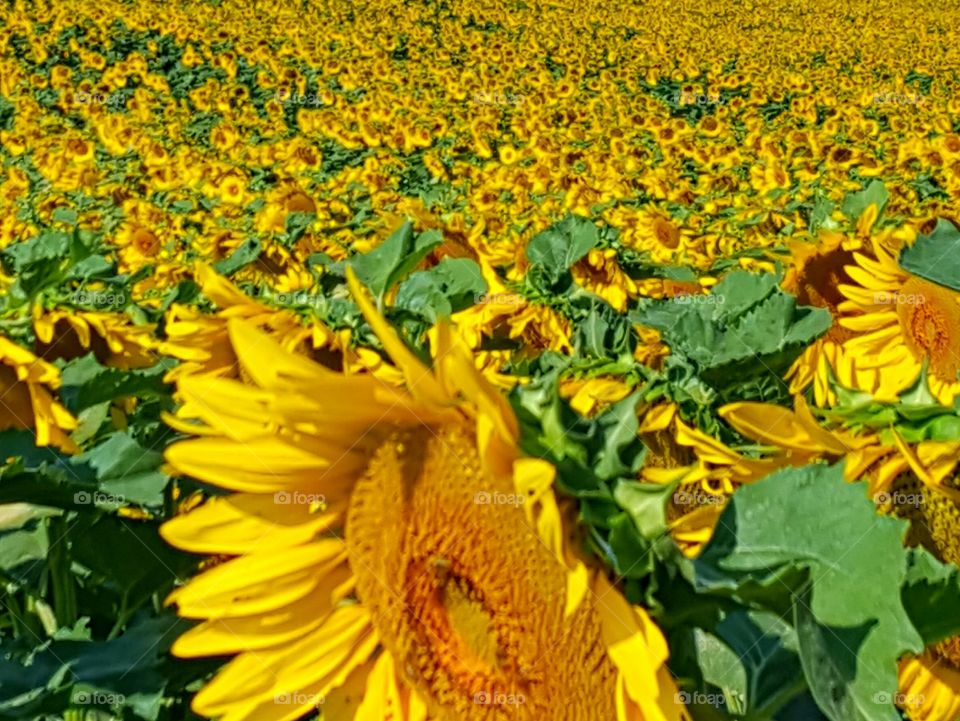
(391, 555)
(901, 321)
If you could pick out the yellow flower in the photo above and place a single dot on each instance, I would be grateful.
(600, 274)
(657, 234)
(707, 471)
(114, 340)
(537, 326)
(589, 396)
(26, 400)
(929, 688)
(901, 321)
(382, 562)
(815, 274)
(201, 340)
(918, 483)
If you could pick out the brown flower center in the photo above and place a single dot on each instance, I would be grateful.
(666, 233)
(16, 410)
(930, 320)
(816, 283)
(145, 241)
(464, 595)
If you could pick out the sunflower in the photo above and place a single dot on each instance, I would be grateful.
(707, 473)
(26, 400)
(657, 234)
(815, 274)
(929, 688)
(600, 274)
(114, 340)
(503, 312)
(201, 340)
(589, 396)
(902, 321)
(392, 555)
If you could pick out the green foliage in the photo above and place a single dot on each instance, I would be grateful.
(83, 570)
(737, 341)
(395, 258)
(856, 203)
(450, 286)
(814, 558)
(915, 416)
(935, 257)
(561, 245)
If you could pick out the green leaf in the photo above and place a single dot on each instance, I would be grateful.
(296, 225)
(935, 257)
(392, 260)
(89, 421)
(931, 596)
(65, 215)
(562, 244)
(244, 254)
(450, 286)
(131, 670)
(740, 338)
(47, 246)
(619, 427)
(127, 471)
(85, 382)
(856, 203)
(767, 648)
(821, 216)
(816, 554)
(630, 554)
(646, 504)
(722, 668)
(23, 550)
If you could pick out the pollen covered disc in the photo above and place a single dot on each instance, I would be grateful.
(464, 595)
(930, 321)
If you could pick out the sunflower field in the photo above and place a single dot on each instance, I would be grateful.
(479, 360)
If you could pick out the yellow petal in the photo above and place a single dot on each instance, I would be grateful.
(222, 636)
(244, 522)
(420, 380)
(258, 682)
(258, 582)
(259, 465)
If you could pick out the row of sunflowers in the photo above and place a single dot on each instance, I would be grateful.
(461, 360)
